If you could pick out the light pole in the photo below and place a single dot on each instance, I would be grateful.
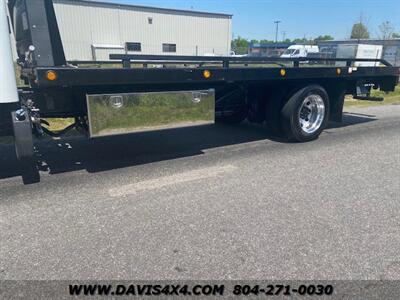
(277, 28)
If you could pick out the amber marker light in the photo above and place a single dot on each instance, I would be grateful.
(283, 72)
(338, 71)
(206, 74)
(51, 75)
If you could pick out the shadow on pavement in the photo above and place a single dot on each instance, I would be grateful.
(77, 153)
(350, 119)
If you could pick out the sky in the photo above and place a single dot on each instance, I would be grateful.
(254, 19)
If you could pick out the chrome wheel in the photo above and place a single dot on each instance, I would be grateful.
(311, 113)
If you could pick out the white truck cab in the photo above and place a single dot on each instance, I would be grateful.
(297, 51)
(8, 85)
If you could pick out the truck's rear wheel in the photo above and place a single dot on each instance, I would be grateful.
(305, 115)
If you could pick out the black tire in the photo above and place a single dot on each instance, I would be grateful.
(290, 114)
(235, 118)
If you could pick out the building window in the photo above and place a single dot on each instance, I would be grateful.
(169, 47)
(150, 20)
(134, 47)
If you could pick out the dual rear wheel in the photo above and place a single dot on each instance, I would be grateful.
(306, 113)
(302, 116)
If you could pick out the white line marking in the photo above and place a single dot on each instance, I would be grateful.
(161, 182)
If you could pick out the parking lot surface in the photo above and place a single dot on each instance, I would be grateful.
(213, 202)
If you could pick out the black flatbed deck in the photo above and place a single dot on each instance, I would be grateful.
(96, 76)
(223, 69)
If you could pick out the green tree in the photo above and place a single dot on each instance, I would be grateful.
(386, 30)
(359, 31)
(266, 42)
(396, 35)
(240, 45)
(324, 38)
(303, 41)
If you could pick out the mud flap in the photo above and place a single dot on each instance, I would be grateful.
(24, 148)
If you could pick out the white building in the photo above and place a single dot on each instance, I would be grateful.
(92, 30)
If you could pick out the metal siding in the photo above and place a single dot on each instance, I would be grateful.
(84, 25)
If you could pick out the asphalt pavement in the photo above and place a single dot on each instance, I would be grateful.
(212, 202)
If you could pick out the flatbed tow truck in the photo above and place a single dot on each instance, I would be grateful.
(294, 99)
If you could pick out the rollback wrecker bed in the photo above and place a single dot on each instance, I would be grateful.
(148, 92)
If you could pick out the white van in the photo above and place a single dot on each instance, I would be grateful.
(297, 51)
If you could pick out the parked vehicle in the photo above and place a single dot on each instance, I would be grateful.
(357, 51)
(295, 102)
(297, 51)
(322, 55)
